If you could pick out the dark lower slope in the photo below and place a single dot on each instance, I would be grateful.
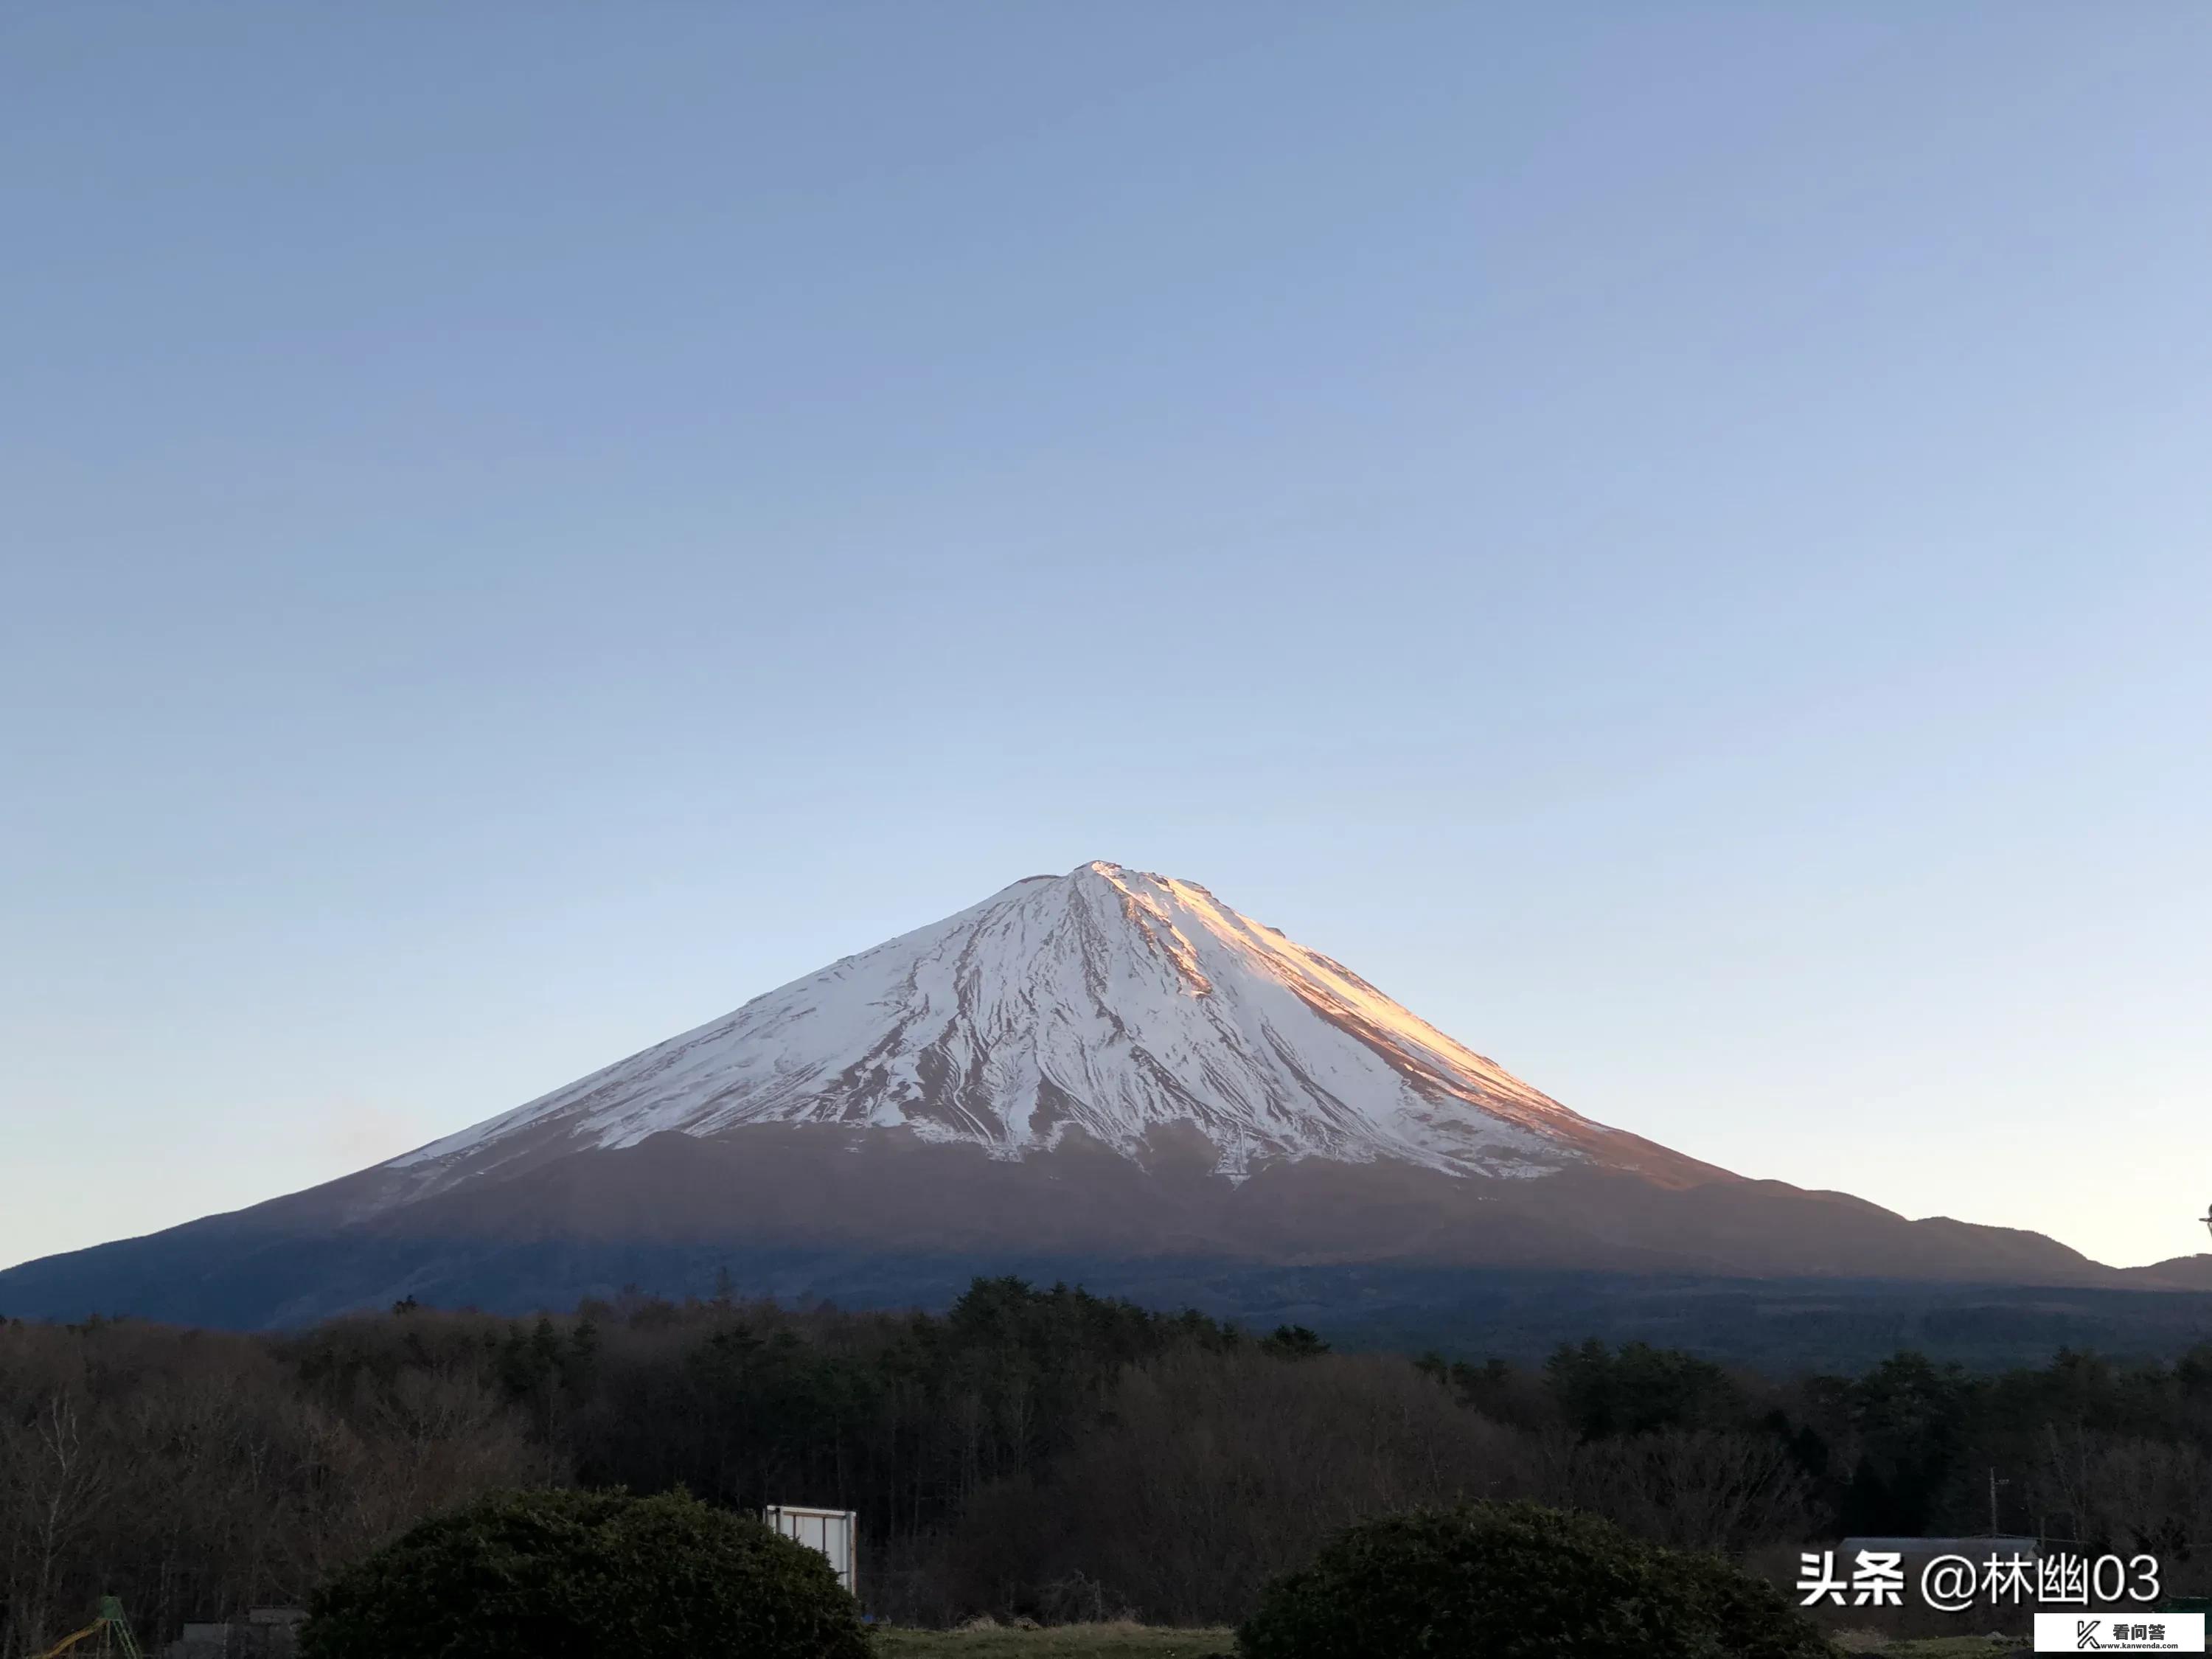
(1780, 1326)
(1473, 1313)
(889, 1192)
(2180, 1273)
(886, 1217)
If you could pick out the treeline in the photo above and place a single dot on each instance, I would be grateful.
(1031, 1451)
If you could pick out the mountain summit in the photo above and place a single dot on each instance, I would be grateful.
(1108, 1073)
(1107, 1003)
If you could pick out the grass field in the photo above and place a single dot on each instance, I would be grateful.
(1112, 1641)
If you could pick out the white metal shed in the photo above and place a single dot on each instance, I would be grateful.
(836, 1533)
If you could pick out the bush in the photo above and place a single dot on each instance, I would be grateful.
(579, 1575)
(1519, 1581)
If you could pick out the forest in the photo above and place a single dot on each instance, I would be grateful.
(1037, 1452)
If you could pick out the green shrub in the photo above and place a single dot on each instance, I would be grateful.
(581, 1575)
(1519, 1581)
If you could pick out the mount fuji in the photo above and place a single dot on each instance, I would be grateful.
(1106, 1005)
(1107, 1068)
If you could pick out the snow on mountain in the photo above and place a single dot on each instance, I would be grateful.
(1106, 1000)
(954, 1101)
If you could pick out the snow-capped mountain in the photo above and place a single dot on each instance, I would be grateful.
(1107, 1002)
(1107, 1075)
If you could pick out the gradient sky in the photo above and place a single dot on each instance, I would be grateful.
(1676, 539)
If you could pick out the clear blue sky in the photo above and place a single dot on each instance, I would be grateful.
(1677, 539)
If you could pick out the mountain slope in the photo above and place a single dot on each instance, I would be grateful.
(1104, 1003)
(1104, 1067)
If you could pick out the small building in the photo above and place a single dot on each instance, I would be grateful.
(836, 1533)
